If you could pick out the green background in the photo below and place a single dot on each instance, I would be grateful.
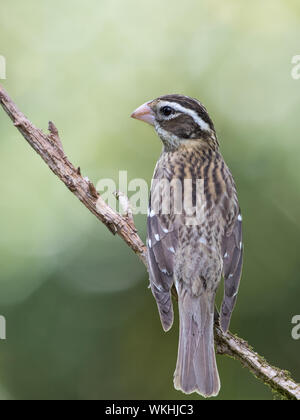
(81, 323)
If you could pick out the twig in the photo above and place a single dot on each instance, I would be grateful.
(54, 136)
(50, 148)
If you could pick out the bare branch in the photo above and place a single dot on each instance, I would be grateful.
(50, 148)
(277, 379)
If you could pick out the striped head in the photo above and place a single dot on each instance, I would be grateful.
(177, 119)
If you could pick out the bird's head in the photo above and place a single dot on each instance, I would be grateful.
(178, 119)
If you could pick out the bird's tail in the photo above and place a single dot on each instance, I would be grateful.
(196, 369)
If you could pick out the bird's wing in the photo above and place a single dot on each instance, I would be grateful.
(162, 242)
(233, 262)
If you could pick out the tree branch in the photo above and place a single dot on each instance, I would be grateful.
(49, 147)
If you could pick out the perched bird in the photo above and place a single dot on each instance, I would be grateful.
(190, 249)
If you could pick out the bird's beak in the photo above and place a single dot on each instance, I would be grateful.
(144, 113)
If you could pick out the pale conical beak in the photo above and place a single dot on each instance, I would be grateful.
(144, 113)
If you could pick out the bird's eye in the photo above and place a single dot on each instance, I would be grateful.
(166, 111)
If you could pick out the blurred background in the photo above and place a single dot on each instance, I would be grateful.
(81, 323)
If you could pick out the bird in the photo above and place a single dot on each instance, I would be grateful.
(192, 250)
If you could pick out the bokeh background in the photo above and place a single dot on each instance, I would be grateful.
(81, 323)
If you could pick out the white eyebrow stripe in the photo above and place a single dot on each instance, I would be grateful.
(202, 124)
